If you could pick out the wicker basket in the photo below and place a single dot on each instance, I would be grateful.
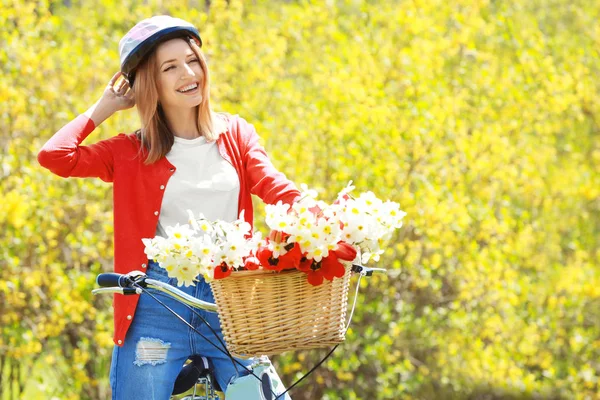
(267, 312)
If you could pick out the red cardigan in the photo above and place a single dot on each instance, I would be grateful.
(138, 189)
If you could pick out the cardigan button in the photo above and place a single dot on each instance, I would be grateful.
(129, 317)
(143, 265)
(155, 212)
(120, 341)
(172, 169)
(162, 187)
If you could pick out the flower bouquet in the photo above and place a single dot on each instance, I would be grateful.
(316, 238)
(211, 249)
(289, 290)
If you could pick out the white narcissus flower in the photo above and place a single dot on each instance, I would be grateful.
(392, 215)
(300, 234)
(235, 251)
(276, 212)
(330, 230)
(179, 232)
(185, 273)
(283, 223)
(355, 230)
(368, 201)
(306, 192)
(169, 263)
(345, 190)
(192, 220)
(203, 248)
(278, 248)
(317, 253)
(154, 247)
(204, 226)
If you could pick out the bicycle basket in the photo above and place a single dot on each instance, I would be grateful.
(267, 312)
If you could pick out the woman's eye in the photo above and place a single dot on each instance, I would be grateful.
(194, 60)
(169, 68)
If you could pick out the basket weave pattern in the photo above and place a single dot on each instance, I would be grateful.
(267, 312)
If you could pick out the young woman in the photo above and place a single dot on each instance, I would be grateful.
(185, 156)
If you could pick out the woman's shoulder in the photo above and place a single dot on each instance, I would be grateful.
(236, 127)
(125, 144)
(128, 140)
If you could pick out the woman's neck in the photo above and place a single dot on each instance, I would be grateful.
(183, 122)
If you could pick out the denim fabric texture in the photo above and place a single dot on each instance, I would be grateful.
(158, 344)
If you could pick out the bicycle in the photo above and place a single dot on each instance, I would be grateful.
(197, 371)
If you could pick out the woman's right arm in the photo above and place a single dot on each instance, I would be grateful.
(63, 154)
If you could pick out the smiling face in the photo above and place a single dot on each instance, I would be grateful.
(180, 78)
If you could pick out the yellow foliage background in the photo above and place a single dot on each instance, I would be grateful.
(480, 117)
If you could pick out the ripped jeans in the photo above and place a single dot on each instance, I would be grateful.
(157, 345)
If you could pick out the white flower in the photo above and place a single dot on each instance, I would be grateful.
(300, 234)
(392, 215)
(154, 247)
(192, 220)
(317, 253)
(346, 190)
(306, 192)
(203, 248)
(185, 273)
(283, 223)
(278, 248)
(179, 232)
(205, 226)
(276, 213)
(169, 263)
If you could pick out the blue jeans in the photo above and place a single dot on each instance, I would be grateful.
(157, 344)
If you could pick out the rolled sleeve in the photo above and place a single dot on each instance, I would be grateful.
(64, 156)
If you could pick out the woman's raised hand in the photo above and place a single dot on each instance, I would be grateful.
(117, 94)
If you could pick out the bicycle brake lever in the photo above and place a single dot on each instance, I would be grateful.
(365, 271)
(137, 278)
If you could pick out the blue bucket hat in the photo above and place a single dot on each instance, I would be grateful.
(148, 33)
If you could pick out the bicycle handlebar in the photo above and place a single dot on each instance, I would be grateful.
(134, 283)
(112, 280)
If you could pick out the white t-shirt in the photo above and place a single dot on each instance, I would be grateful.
(204, 182)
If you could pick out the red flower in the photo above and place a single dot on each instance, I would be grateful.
(305, 264)
(291, 259)
(222, 271)
(251, 263)
(266, 259)
(331, 267)
(345, 251)
(315, 277)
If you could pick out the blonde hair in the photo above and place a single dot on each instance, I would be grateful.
(155, 136)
